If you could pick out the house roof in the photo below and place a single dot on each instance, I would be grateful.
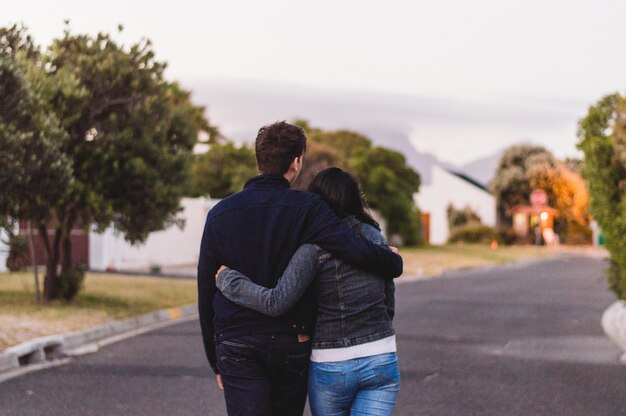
(467, 179)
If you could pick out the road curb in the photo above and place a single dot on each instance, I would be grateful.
(51, 349)
(614, 325)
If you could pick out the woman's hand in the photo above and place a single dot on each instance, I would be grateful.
(217, 274)
(392, 248)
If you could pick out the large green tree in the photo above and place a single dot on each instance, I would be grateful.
(128, 134)
(602, 135)
(387, 180)
(34, 172)
(390, 184)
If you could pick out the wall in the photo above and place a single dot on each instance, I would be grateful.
(446, 188)
(4, 251)
(170, 247)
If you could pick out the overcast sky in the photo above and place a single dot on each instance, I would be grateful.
(524, 57)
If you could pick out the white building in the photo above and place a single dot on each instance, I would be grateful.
(4, 251)
(170, 247)
(449, 187)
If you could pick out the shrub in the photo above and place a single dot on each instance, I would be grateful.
(614, 277)
(576, 234)
(19, 253)
(601, 135)
(458, 217)
(474, 233)
(70, 282)
(507, 236)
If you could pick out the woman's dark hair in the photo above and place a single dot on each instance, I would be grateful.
(342, 192)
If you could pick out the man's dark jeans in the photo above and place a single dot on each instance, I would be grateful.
(264, 374)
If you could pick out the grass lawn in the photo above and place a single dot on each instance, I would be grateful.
(424, 262)
(103, 298)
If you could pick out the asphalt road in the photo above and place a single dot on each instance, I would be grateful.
(515, 340)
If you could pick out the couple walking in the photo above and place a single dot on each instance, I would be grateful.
(295, 290)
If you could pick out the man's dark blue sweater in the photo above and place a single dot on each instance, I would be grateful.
(256, 231)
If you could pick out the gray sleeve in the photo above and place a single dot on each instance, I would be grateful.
(298, 275)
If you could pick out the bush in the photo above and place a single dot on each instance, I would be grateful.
(70, 282)
(507, 236)
(576, 234)
(617, 281)
(19, 254)
(474, 233)
(601, 135)
(459, 217)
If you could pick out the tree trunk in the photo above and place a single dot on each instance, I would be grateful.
(33, 258)
(51, 281)
(66, 263)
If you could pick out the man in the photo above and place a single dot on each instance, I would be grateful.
(261, 362)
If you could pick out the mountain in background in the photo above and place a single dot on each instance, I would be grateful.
(426, 130)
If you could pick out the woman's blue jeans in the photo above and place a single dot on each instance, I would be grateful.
(361, 386)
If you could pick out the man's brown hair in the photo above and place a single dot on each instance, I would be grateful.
(277, 145)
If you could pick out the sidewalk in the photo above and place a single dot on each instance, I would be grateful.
(54, 350)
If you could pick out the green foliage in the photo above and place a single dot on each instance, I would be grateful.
(474, 233)
(507, 236)
(70, 282)
(389, 184)
(19, 255)
(222, 170)
(34, 171)
(130, 137)
(458, 217)
(387, 181)
(123, 133)
(616, 280)
(602, 135)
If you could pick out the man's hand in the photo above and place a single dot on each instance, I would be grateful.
(222, 267)
(218, 378)
(392, 248)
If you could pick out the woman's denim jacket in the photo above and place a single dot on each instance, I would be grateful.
(353, 306)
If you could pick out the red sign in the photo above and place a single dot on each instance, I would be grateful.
(539, 198)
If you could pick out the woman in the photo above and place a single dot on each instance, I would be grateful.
(354, 368)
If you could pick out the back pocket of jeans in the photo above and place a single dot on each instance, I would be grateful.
(237, 344)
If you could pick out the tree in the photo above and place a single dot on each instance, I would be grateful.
(34, 172)
(525, 168)
(602, 135)
(387, 181)
(512, 181)
(128, 134)
(222, 170)
(389, 184)
(567, 192)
